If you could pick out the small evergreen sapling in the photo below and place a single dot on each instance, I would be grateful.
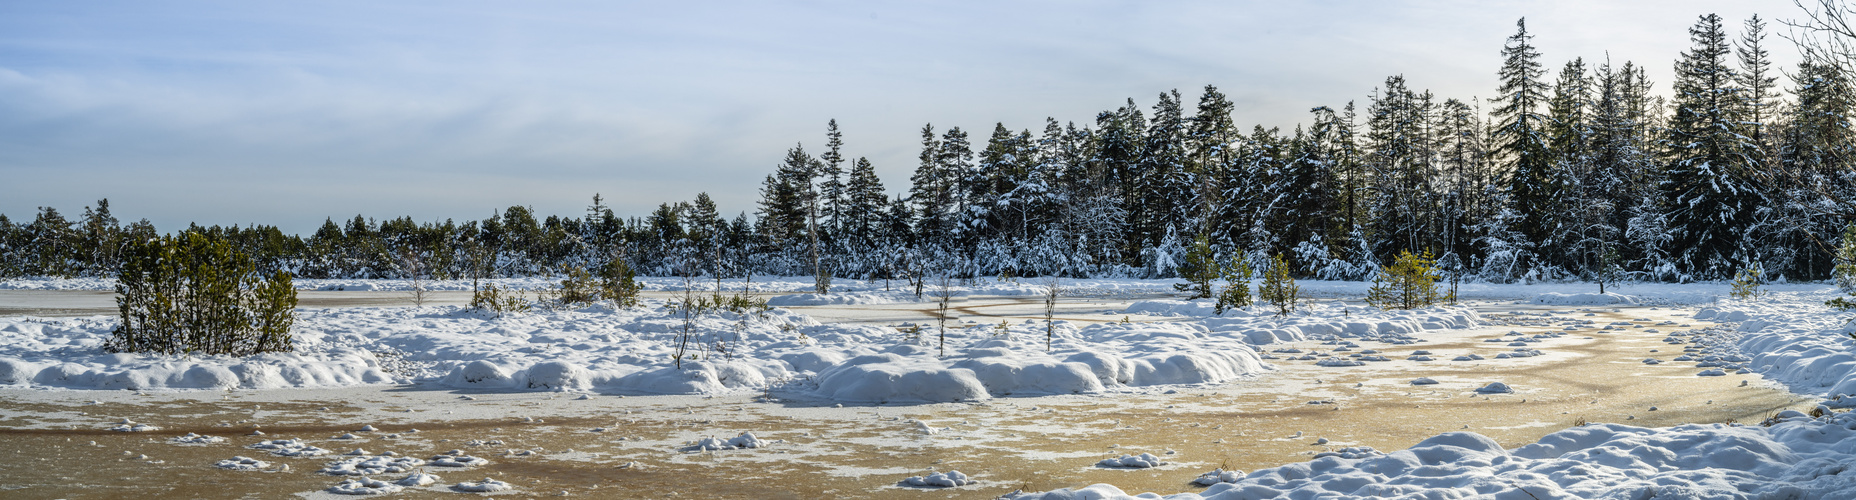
(1236, 292)
(1279, 287)
(577, 287)
(1199, 270)
(1052, 289)
(1409, 283)
(619, 283)
(1845, 272)
(1747, 282)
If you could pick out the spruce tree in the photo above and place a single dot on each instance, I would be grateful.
(1521, 143)
(867, 200)
(832, 188)
(1707, 184)
(1209, 142)
(1759, 83)
(1161, 181)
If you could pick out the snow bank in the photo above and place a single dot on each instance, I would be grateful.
(949, 479)
(633, 351)
(1795, 458)
(1791, 338)
(1584, 299)
(630, 351)
(845, 298)
(1261, 325)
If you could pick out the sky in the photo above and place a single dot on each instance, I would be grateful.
(287, 113)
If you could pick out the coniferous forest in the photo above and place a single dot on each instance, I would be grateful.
(1575, 170)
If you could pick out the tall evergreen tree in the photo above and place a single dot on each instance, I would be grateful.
(1521, 142)
(1707, 185)
(832, 187)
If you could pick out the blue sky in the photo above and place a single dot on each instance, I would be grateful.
(285, 113)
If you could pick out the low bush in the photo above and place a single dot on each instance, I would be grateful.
(192, 293)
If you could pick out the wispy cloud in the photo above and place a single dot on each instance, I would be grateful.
(238, 112)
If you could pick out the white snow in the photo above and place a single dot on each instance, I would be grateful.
(365, 486)
(242, 463)
(363, 466)
(485, 486)
(1584, 299)
(947, 479)
(1141, 461)
(192, 438)
(743, 441)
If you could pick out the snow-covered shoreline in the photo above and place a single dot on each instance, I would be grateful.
(631, 351)
(1790, 338)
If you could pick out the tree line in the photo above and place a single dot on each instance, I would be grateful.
(1584, 173)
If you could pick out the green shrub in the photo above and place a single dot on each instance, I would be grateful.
(578, 287)
(497, 301)
(619, 283)
(1747, 282)
(1409, 283)
(1237, 284)
(1199, 269)
(194, 293)
(1278, 287)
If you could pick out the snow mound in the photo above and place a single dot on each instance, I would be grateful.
(363, 466)
(290, 448)
(744, 441)
(949, 479)
(418, 479)
(242, 463)
(1218, 476)
(192, 438)
(456, 458)
(1585, 299)
(365, 486)
(1141, 461)
(485, 486)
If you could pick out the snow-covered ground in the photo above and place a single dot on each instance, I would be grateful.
(1787, 337)
(633, 351)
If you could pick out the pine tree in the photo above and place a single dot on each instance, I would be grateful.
(1707, 183)
(1236, 293)
(1409, 283)
(1199, 269)
(1278, 286)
